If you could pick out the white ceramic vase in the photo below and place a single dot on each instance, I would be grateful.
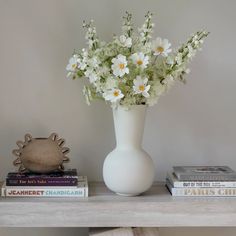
(128, 170)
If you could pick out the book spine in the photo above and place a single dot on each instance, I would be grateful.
(206, 178)
(42, 182)
(203, 184)
(41, 192)
(72, 173)
(2, 192)
(202, 192)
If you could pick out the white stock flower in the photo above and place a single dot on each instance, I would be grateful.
(191, 51)
(151, 101)
(91, 34)
(75, 63)
(69, 74)
(98, 86)
(141, 87)
(168, 80)
(84, 53)
(113, 95)
(170, 60)
(87, 94)
(103, 70)
(187, 71)
(125, 41)
(93, 62)
(111, 83)
(119, 66)
(161, 47)
(81, 64)
(140, 59)
(178, 58)
(92, 75)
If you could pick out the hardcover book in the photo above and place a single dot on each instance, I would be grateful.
(198, 184)
(1, 185)
(70, 173)
(65, 178)
(201, 192)
(204, 173)
(81, 190)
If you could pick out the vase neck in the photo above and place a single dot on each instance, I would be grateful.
(129, 126)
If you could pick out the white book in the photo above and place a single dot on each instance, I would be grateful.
(201, 192)
(199, 184)
(204, 173)
(24, 191)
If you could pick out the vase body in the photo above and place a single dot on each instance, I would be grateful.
(128, 170)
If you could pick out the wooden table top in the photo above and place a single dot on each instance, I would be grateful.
(155, 208)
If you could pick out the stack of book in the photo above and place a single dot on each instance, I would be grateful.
(193, 181)
(55, 184)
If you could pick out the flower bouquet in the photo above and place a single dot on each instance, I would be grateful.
(132, 69)
(131, 72)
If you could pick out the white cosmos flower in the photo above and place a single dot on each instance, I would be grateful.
(81, 64)
(125, 41)
(119, 66)
(73, 63)
(161, 47)
(92, 75)
(76, 63)
(113, 95)
(140, 59)
(141, 87)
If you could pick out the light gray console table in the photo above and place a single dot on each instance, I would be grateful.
(156, 208)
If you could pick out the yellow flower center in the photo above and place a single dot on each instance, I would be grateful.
(74, 66)
(139, 62)
(122, 66)
(160, 49)
(116, 93)
(141, 87)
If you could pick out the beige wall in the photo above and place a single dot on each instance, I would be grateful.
(193, 124)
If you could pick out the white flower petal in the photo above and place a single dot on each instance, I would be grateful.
(119, 66)
(145, 94)
(145, 80)
(148, 87)
(161, 47)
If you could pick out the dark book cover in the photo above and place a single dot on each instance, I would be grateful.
(56, 178)
(70, 173)
(37, 181)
